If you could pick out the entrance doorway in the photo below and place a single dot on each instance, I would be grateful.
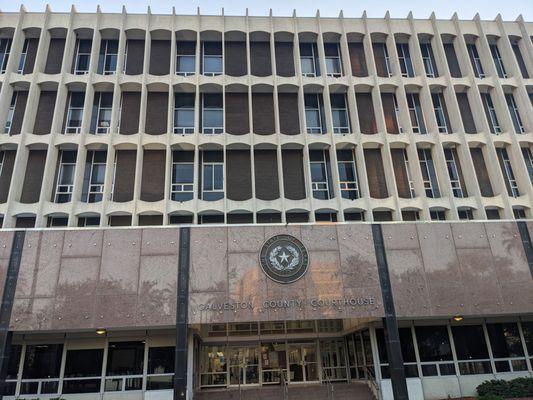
(243, 365)
(303, 362)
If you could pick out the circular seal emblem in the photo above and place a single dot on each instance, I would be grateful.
(284, 258)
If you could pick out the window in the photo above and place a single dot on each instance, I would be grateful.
(383, 54)
(320, 174)
(475, 60)
(314, 111)
(333, 59)
(182, 188)
(124, 366)
(429, 60)
(160, 368)
(519, 213)
(212, 58)
(13, 364)
(397, 112)
(75, 112)
(519, 59)
(435, 350)
(506, 346)
(107, 61)
(56, 222)
(205, 219)
(325, 216)
(428, 173)
(404, 58)
(65, 176)
(83, 56)
(11, 113)
(212, 113)
(440, 115)
(88, 221)
(507, 170)
(408, 353)
(412, 191)
(415, 113)
(42, 364)
(498, 62)
(184, 113)
(515, 115)
(354, 215)
(528, 159)
(492, 213)
(453, 172)
(490, 113)
(349, 185)
(185, 58)
(101, 117)
(83, 371)
(437, 215)
(339, 113)
(94, 179)
(465, 214)
(471, 350)
(309, 59)
(5, 49)
(527, 329)
(23, 55)
(212, 175)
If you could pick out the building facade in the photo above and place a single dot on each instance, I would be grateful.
(358, 159)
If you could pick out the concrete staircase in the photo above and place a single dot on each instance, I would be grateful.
(342, 391)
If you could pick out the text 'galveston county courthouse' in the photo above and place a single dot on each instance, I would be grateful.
(239, 207)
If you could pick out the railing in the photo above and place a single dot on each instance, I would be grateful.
(284, 387)
(371, 381)
(330, 387)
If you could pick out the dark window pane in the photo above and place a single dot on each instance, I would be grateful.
(14, 361)
(42, 361)
(84, 363)
(161, 360)
(125, 358)
(433, 343)
(505, 340)
(470, 342)
(81, 386)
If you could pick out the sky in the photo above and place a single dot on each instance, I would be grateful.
(466, 9)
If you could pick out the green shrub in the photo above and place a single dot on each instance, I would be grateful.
(519, 387)
(491, 397)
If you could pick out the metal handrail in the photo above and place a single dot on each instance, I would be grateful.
(330, 387)
(284, 387)
(371, 381)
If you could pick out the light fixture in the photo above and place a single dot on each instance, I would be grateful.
(101, 331)
(458, 318)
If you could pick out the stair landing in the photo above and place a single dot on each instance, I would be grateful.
(342, 391)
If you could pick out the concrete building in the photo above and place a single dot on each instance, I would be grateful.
(345, 169)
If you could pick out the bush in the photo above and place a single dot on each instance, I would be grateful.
(491, 397)
(519, 387)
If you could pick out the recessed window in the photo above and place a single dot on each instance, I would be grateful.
(471, 350)
(212, 175)
(348, 182)
(212, 113)
(41, 362)
(107, 61)
(75, 112)
(160, 368)
(124, 358)
(83, 369)
(465, 214)
(102, 109)
(83, 56)
(65, 176)
(404, 58)
(507, 347)
(309, 59)
(333, 59)
(339, 113)
(182, 186)
(212, 58)
(434, 349)
(437, 215)
(184, 113)
(185, 58)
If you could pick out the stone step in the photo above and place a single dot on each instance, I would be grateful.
(341, 391)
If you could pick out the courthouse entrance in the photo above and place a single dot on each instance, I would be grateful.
(292, 352)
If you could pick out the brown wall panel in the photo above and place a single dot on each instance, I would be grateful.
(391, 123)
(131, 108)
(33, 44)
(481, 172)
(365, 111)
(135, 60)
(160, 57)
(45, 113)
(238, 175)
(284, 58)
(375, 173)
(55, 56)
(400, 173)
(33, 178)
(124, 175)
(153, 175)
(266, 174)
(289, 121)
(235, 58)
(263, 113)
(20, 109)
(293, 174)
(358, 59)
(237, 113)
(261, 62)
(466, 113)
(156, 113)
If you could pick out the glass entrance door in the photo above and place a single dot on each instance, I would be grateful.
(303, 365)
(243, 365)
(333, 354)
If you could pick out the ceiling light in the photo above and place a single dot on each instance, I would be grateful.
(101, 331)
